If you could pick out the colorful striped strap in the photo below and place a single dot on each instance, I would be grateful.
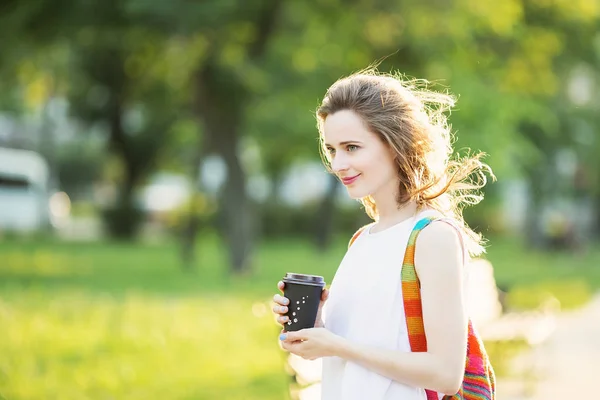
(411, 294)
(356, 235)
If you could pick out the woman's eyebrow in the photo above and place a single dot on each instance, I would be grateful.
(345, 143)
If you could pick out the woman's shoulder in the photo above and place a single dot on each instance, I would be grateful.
(440, 227)
(439, 246)
(440, 232)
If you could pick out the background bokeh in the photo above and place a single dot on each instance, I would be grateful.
(160, 172)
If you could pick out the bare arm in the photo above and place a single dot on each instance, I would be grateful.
(439, 264)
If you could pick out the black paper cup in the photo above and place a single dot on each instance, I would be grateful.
(304, 293)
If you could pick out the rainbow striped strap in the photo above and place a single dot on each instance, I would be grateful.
(411, 295)
(356, 235)
(479, 380)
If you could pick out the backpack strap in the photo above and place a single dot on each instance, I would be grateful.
(479, 375)
(357, 234)
(411, 296)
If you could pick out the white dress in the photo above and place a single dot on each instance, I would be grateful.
(365, 306)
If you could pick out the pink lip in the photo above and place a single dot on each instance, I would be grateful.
(349, 181)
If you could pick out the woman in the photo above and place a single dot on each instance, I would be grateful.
(390, 144)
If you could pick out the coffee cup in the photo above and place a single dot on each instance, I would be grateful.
(304, 293)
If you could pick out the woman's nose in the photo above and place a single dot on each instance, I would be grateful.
(339, 164)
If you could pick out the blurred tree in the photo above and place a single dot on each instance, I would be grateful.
(258, 68)
(32, 80)
(114, 84)
(568, 32)
(235, 37)
(109, 84)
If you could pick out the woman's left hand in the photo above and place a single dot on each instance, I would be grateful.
(311, 343)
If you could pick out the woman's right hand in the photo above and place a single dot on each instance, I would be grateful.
(281, 306)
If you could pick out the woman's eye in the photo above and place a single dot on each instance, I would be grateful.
(352, 147)
(331, 150)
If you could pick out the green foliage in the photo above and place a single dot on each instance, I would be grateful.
(512, 65)
(508, 63)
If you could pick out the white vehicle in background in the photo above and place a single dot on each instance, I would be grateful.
(24, 191)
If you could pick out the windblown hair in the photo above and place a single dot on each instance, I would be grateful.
(412, 121)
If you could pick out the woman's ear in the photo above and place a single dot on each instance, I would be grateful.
(393, 151)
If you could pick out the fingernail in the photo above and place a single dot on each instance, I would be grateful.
(285, 301)
(282, 309)
(283, 336)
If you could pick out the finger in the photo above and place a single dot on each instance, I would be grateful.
(280, 300)
(291, 347)
(282, 319)
(280, 285)
(324, 294)
(277, 309)
(293, 336)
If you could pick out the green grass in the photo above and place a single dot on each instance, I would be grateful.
(121, 321)
(531, 276)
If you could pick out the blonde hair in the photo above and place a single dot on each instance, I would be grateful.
(412, 121)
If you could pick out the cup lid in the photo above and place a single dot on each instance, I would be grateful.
(303, 278)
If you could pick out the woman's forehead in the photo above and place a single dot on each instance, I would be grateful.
(344, 126)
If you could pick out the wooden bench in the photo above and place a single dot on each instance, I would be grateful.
(486, 311)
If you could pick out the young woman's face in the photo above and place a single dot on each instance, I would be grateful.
(364, 164)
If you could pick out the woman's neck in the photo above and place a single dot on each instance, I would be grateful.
(390, 213)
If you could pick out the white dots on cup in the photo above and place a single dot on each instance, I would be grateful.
(294, 314)
(289, 322)
(295, 319)
(298, 302)
(303, 302)
(298, 308)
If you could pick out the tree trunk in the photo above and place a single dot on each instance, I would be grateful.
(48, 150)
(220, 102)
(221, 99)
(238, 216)
(536, 177)
(124, 219)
(596, 226)
(277, 179)
(533, 232)
(188, 241)
(325, 214)
(190, 230)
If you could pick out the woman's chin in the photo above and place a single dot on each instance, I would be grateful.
(356, 194)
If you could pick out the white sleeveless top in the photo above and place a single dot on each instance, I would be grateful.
(365, 306)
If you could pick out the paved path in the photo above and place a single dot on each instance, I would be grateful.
(569, 362)
(565, 366)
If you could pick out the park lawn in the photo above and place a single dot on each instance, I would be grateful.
(121, 321)
(531, 276)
